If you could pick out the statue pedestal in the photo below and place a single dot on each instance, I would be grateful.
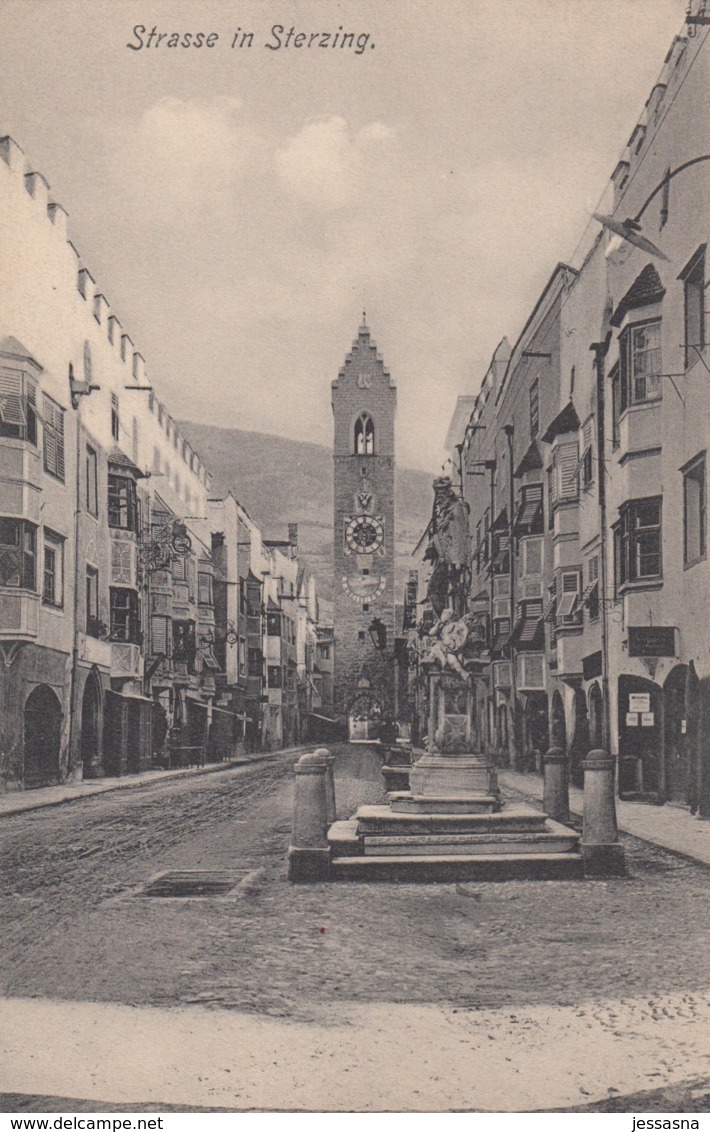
(451, 775)
(450, 824)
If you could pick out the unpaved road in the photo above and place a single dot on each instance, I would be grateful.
(74, 928)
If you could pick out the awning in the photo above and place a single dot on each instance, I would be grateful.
(500, 641)
(325, 718)
(527, 631)
(549, 613)
(567, 604)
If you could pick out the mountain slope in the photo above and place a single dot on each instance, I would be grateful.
(282, 481)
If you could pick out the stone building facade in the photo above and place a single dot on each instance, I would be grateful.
(364, 400)
(608, 390)
(130, 601)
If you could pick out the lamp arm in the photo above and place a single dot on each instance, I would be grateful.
(669, 177)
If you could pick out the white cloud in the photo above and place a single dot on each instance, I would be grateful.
(184, 154)
(325, 166)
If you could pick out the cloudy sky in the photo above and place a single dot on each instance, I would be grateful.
(240, 206)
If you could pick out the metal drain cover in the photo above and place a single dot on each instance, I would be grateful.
(195, 883)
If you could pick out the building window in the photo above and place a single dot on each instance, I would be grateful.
(53, 576)
(693, 277)
(18, 541)
(590, 597)
(254, 662)
(93, 625)
(273, 624)
(122, 503)
(242, 657)
(92, 496)
(125, 616)
(534, 409)
(185, 643)
(115, 422)
(275, 676)
(18, 406)
(640, 363)
(694, 519)
(53, 438)
(364, 435)
(638, 541)
(587, 461)
(204, 589)
(569, 609)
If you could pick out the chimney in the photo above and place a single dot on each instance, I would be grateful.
(38, 188)
(114, 330)
(100, 309)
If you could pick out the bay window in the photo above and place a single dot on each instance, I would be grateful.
(18, 541)
(18, 406)
(640, 363)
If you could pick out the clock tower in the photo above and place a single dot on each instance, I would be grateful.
(364, 400)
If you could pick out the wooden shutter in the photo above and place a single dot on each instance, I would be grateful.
(567, 463)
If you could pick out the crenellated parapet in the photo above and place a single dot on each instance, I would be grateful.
(91, 294)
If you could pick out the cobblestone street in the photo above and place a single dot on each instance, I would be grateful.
(76, 930)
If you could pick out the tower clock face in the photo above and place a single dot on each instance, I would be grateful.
(364, 534)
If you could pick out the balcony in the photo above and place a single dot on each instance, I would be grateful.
(570, 649)
(93, 650)
(19, 615)
(126, 660)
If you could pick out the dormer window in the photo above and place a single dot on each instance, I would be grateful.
(364, 435)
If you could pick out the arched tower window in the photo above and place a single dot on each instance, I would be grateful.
(364, 435)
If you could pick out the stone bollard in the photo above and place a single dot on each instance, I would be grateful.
(555, 797)
(330, 806)
(308, 853)
(602, 853)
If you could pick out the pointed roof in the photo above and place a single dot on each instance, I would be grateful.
(361, 344)
(565, 421)
(531, 461)
(10, 345)
(646, 289)
(119, 459)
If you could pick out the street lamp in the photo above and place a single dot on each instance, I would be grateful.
(630, 229)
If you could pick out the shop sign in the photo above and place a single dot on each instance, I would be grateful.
(632, 719)
(652, 640)
(647, 719)
(640, 701)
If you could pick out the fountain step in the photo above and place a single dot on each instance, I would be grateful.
(555, 839)
(404, 802)
(439, 869)
(383, 821)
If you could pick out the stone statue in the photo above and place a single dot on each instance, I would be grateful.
(449, 637)
(448, 549)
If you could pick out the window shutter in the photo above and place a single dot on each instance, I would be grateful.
(532, 555)
(594, 568)
(569, 597)
(11, 407)
(59, 426)
(158, 633)
(588, 434)
(552, 483)
(567, 462)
